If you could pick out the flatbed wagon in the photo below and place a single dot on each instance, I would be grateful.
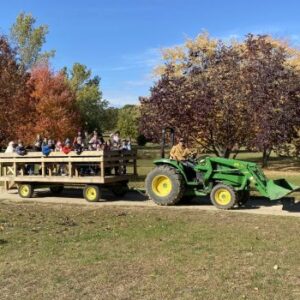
(91, 170)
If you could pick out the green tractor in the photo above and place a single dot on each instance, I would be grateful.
(226, 181)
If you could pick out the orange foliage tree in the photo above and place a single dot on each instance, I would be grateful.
(16, 105)
(56, 115)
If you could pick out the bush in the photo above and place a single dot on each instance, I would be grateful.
(141, 140)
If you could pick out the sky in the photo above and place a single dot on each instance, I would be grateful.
(121, 40)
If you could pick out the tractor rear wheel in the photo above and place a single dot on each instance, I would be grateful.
(223, 196)
(164, 185)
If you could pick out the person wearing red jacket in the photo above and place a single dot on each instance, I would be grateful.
(67, 148)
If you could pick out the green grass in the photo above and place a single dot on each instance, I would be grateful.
(68, 252)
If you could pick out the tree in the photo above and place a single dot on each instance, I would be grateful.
(273, 86)
(29, 41)
(128, 121)
(200, 95)
(57, 116)
(211, 92)
(89, 100)
(16, 105)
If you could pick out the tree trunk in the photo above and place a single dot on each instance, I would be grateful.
(265, 157)
(225, 153)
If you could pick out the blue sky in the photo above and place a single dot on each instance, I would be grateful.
(120, 40)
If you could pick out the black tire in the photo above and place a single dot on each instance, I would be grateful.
(119, 189)
(223, 196)
(25, 190)
(165, 185)
(56, 189)
(243, 197)
(91, 193)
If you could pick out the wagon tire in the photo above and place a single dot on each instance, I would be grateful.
(57, 189)
(25, 190)
(91, 193)
(120, 189)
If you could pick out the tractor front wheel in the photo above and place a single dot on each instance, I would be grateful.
(223, 196)
(164, 185)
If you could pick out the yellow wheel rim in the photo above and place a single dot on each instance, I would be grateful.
(161, 185)
(91, 194)
(24, 190)
(222, 196)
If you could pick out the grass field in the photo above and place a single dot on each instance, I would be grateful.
(80, 252)
(73, 252)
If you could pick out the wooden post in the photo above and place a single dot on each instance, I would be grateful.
(15, 168)
(5, 182)
(70, 169)
(102, 171)
(43, 169)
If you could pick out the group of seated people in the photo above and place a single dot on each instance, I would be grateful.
(82, 142)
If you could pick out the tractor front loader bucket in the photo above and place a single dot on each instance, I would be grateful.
(279, 188)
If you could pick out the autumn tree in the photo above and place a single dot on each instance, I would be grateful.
(56, 115)
(200, 95)
(223, 96)
(29, 40)
(272, 83)
(16, 105)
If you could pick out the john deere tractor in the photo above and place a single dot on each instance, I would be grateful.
(226, 181)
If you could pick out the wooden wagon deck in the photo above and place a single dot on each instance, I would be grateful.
(110, 165)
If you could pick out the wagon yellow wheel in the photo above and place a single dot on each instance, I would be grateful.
(223, 196)
(25, 190)
(91, 193)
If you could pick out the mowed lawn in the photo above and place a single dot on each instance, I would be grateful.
(82, 252)
(79, 252)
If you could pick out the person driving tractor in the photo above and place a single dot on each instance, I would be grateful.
(180, 151)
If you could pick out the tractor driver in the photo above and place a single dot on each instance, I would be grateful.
(180, 151)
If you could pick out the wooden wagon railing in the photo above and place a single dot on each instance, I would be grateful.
(110, 166)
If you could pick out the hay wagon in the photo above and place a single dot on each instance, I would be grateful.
(91, 170)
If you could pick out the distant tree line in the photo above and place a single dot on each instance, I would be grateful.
(226, 96)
